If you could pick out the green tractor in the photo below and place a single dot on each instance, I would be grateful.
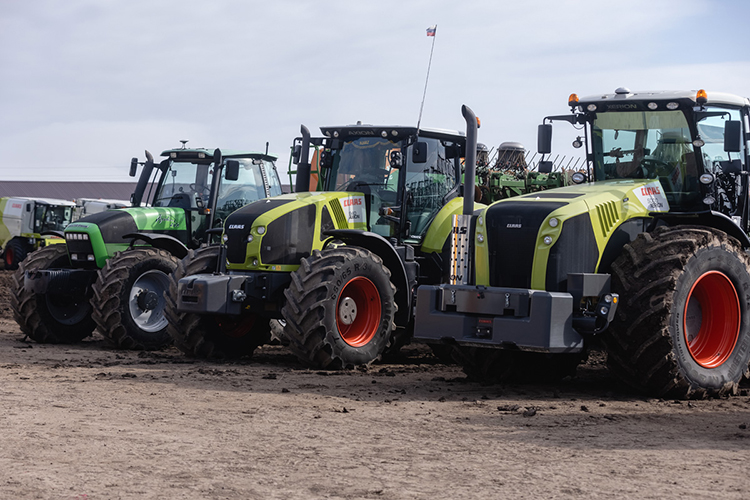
(112, 270)
(647, 251)
(339, 265)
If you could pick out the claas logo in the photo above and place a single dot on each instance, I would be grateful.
(650, 191)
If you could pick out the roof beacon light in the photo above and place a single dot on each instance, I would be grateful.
(701, 97)
(573, 100)
(479, 122)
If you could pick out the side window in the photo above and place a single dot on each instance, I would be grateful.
(711, 130)
(274, 184)
(427, 185)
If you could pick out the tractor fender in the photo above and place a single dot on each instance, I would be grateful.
(383, 249)
(161, 241)
(52, 232)
(716, 220)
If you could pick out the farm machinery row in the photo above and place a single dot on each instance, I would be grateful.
(645, 250)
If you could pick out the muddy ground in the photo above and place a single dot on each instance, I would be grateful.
(86, 421)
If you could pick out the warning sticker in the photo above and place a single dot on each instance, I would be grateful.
(354, 208)
(652, 197)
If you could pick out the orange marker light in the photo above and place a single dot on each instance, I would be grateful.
(573, 100)
(479, 123)
(701, 97)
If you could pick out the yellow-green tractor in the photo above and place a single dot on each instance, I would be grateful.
(339, 265)
(647, 251)
(23, 222)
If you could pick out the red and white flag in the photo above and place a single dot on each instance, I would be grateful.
(431, 30)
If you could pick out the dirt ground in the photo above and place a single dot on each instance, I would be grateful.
(86, 421)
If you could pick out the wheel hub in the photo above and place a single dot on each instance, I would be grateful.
(147, 300)
(347, 311)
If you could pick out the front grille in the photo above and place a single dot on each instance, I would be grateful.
(512, 229)
(238, 225)
(575, 251)
(289, 238)
(78, 251)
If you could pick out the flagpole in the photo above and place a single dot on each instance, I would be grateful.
(432, 29)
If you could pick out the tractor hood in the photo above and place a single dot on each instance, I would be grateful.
(104, 231)
(275, 233)
(535, 241)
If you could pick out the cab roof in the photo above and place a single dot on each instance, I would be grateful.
(195, 153)
(391, 131)
(624, 95)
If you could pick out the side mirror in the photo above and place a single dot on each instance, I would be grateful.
(133, 166)
(419, 152)
(544, 167)
(232, 170)
(732, 136)
(296, 151)
(544, 139)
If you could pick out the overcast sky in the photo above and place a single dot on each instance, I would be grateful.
(87, 85)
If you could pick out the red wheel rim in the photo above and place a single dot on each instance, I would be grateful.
(358, 311)
(711, 320)
(9, 257)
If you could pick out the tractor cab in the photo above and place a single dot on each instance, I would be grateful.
(188, 179)
(689, 143)
(405, 175)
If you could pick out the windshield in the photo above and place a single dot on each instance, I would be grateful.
(647, 145)
(51, 218)
(364, 165)
(183, 184)
(363, 162)
(248, 187)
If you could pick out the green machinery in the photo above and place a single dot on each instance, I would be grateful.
(646, 250)
(113, 269)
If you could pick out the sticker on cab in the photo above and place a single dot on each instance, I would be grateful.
(652, 197)
(354, 208)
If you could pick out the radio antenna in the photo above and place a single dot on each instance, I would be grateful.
(431, 31)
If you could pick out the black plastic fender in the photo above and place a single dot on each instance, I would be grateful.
(383, 249)
(162, 241)
(710, 218)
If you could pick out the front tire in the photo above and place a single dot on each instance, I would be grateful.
(129, 299)
(49, 317)
(217, 336)
(683, 324)
(340, 308)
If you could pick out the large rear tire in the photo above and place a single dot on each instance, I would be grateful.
(339, 308)
(683, 323)
(211, 336)
(15, 252)
(129, 299)
(49, 318)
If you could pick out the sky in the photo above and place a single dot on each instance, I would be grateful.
(86, 85)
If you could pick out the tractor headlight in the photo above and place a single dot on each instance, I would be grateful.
(224, 238)
(250, 238)
(261, 230)
(548, 240)
(707, 178)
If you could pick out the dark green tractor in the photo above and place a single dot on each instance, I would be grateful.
(113, 269)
